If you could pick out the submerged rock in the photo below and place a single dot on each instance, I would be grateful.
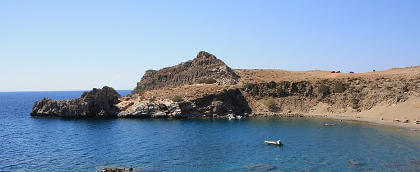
(94, 103)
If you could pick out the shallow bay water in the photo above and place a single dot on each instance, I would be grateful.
(53, 144)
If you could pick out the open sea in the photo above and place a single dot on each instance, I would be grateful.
(53, 144)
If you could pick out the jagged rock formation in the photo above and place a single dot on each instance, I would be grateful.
(204, 67)
(229, 101)
(94, 103)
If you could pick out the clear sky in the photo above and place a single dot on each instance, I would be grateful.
(78, 45)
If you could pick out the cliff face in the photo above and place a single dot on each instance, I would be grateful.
(94, 103)
(340, 95)
(204, 68)
(226, 102)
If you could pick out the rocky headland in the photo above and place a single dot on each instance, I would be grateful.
(207, 87)
(221, 100)
(98, 103)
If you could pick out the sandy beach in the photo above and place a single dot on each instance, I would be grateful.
(402, 115)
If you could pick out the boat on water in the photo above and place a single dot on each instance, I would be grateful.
(328, 124)
(116, 169)
(277, 143)
(231, 117)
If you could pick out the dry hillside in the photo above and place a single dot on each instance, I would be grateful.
(267, 75)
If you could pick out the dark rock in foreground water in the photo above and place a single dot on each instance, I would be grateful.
(94, 103)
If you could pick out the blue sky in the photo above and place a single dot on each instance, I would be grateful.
(78, 45)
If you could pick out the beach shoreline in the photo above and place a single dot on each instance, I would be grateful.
(407, 126)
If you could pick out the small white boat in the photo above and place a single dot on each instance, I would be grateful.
(117, 169)
(231, 118)
(278, 143)
(238, 117)
(327, 124)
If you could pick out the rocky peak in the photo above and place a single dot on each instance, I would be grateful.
(205, 55)
(205, 67)
(107, 94)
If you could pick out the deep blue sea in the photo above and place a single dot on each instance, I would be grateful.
(52, 144)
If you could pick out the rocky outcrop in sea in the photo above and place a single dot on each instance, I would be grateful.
(95, 103)
(105, 103)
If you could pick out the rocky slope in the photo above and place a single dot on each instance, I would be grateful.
(340, 95)
(204, 68)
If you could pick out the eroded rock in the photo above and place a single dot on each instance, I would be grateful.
(229, 101)
(94, 103)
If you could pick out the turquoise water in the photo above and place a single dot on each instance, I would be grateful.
(45, 144)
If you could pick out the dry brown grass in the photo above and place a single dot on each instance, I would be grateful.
(267, 75)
